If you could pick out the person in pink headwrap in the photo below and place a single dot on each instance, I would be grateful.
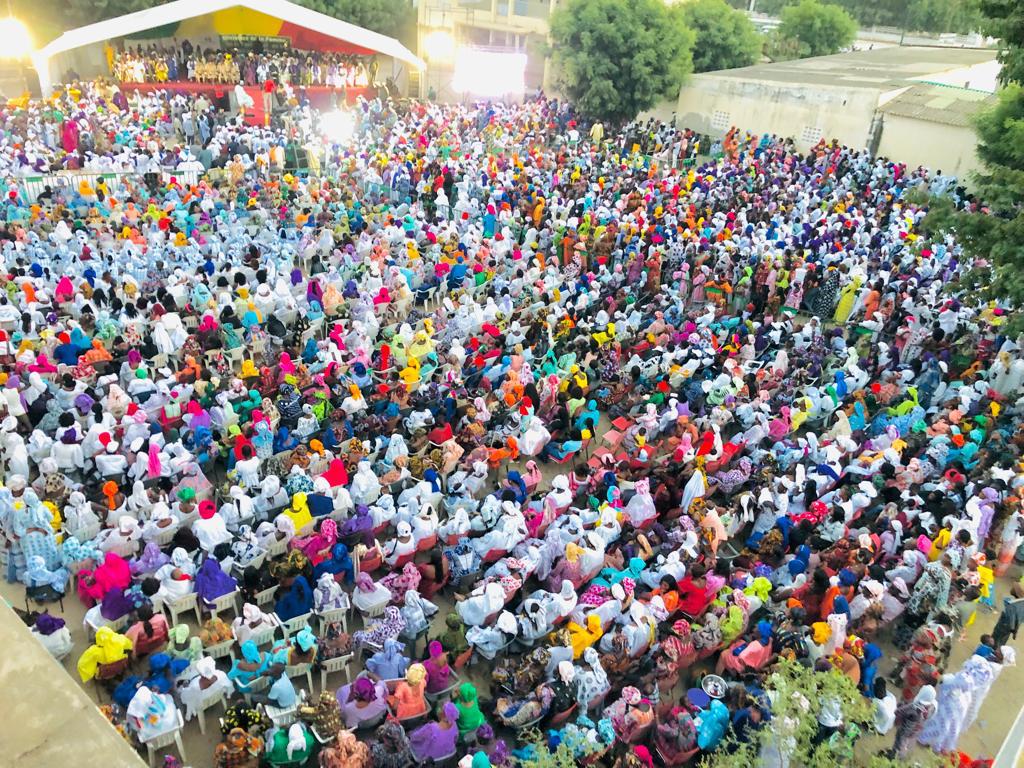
(317, 546)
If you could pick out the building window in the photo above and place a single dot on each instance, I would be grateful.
(720, 120)
(811, 134)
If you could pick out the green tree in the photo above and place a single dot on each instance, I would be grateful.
(89, 11)
(779, 48)
(993, 234)
(818, 28)
(725, 37)
(797, 694)
(1005, 19)
(871, 13)
(915, 15)
(388, 17)
(941, 16)
(616, 58)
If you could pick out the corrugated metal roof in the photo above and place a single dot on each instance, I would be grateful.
(938, 104)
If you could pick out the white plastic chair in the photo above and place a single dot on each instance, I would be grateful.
(339, 664)
(264, 636)
(163, 538)
(295, 624)
(374, 610)
(180, 605)
(277, 549)
(165, 740)
(117, 624)
(220, 650)
(455, 683)
(256, 562)
(266, 596)
(298, 670)
(218, 696)
(281, 718)
(225, 603)
(333, 615)
(258, 685)
(85, 533)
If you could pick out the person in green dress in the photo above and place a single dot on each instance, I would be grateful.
(470, 716)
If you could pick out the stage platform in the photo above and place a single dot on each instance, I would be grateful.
(318, 95)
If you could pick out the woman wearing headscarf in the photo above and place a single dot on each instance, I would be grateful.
(53, 635)
(324, 715)
(253, 664)
(363, 702)
(564, 688)
(346, 751)
(251, 621)
(211, 582)
(295, 598)
(108, 647)
(389, 663)
(318, 547)
(942, 730)
(408, 699)
(204, 686)
(35, 531)
(910, 720)
(239, 749)
(391, 748)
(183, 645)
(289, 747)
(369, 596)
(416, 612)
(593, 682)
(583, 637)
(470, 717)
(484, 602)
(391, 624)
(328, 595)
(339, 565)
(398, 583)
(151, 714)
(435, 741)
(675, 737)
(631, 715)
(38, 575)
(438, 669)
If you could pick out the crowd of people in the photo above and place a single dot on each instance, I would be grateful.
(527, 428)
(98, 128)
(160, 63)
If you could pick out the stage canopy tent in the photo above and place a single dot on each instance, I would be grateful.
(306, 29)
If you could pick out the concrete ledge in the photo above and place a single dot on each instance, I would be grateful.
(46, 719)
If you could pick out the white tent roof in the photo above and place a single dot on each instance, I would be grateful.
(180, 10)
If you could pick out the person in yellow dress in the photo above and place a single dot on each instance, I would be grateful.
(299, 512)
(848, 299)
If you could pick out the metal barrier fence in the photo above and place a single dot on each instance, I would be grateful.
(65, 181)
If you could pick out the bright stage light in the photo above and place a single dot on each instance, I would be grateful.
(338, 126)
(489, 73)
(439, 45)
(17, 43)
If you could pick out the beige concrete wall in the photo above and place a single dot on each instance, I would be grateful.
(790, 109)
(918, 142)
(662, 111)
(46, 719)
